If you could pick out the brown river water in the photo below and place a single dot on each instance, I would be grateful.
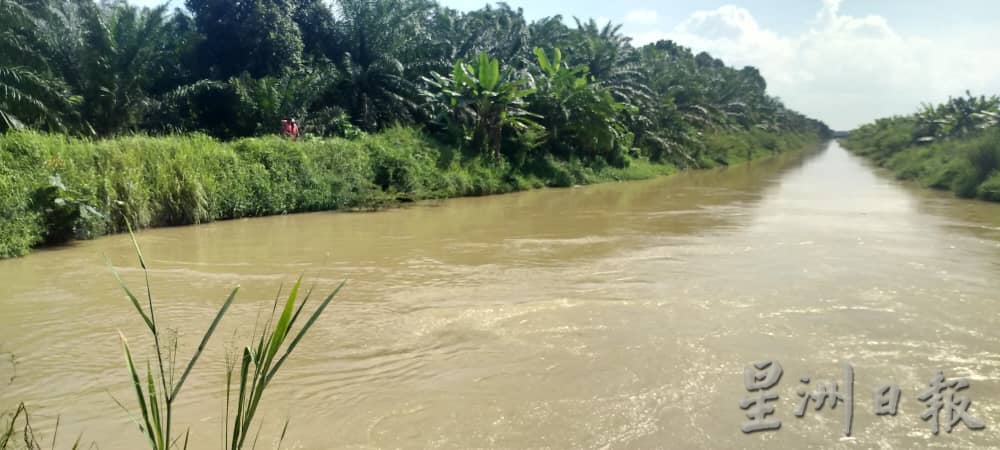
(619, 315)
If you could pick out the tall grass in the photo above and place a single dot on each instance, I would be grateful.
(968, 166)
(157, 391)
(54, 188)
(737, 146)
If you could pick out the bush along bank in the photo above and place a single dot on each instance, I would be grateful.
(954, 146)
(55, 188)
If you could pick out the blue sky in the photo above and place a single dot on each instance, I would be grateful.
(843, 61)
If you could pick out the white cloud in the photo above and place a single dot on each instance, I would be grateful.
(844, 70)
(641, 17)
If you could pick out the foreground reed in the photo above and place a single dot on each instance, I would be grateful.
(157, 391)
(17, 433)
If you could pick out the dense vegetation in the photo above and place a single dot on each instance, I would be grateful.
(161, 118)
(953, 146)
(93, 187)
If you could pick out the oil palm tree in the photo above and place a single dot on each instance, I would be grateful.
(374, 49)
(611, 60)
(32, 94)
(120, 55)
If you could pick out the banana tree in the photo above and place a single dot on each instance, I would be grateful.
(480, 101)
(957, 117)
(581, 116)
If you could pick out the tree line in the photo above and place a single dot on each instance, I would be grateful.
(489, 81)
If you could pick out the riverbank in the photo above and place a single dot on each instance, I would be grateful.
(967, 166)
(54, 189)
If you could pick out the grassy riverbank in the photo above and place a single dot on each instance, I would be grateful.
(968, 166)
(55, 188)
(952, 146)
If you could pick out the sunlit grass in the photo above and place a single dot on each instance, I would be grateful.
(968, 166)
(54, 188)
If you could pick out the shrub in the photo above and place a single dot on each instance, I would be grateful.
(990, 189)
(967, 165)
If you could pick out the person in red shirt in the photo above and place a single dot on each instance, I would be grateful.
(294, 130)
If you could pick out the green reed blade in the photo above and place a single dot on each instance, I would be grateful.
(238, 423)
(131, 296)
(204, 341)
(309, 323)
(142, 261)
(281, 328)
(138, 392)
(154, 406)
(298, 310)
